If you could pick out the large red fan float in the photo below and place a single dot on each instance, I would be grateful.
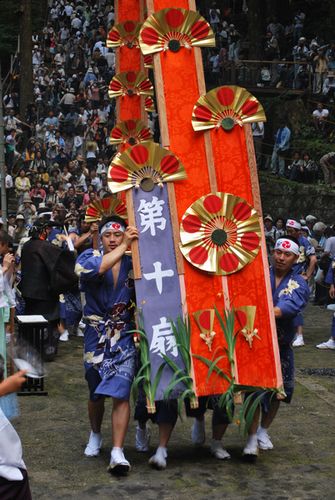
(179, 77)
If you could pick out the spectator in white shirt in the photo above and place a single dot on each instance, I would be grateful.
(320, 115)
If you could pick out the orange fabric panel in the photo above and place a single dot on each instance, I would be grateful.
(130, 108)
(130, 59)
(128, 10)
(255, 366)
(166, 4)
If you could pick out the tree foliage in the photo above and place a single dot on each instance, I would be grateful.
(10, 26)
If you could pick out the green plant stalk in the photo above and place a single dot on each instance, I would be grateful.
(182, 333)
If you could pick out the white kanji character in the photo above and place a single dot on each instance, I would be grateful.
(158, 275)
(151, 215)
(163, 340)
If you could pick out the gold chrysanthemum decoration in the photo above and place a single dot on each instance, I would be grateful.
(124, 34)
(130, 132)
(220, 233)
(105, 207)
(171, 29)
(143, 166)
(225, 107)
(130, 83)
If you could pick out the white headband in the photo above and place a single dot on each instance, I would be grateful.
(287, 246)
(113, 226)
(293, 223)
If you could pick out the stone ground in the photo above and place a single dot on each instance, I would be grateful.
(54, 430)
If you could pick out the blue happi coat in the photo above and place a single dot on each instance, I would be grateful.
(108, 311)
(291, 296)
(306, 250)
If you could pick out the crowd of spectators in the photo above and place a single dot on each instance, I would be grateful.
(290, 60)
(320, 235)
(57, 156)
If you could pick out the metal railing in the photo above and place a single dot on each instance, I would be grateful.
(275, 74)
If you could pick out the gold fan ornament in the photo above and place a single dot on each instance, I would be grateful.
(143, 166)
(205, 321)
(130, 132)
(130, 83)
(149, 105)
(148, 61)
(227, 106)
(220, 233)
(124, 35)
(105, 207)
(245, 321)
(172, 29)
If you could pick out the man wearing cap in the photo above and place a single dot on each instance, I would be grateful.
(20, 230)
(310, 221)
(305, 266)
(290, 294)
(108, 288)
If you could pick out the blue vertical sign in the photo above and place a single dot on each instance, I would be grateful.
(158, 291)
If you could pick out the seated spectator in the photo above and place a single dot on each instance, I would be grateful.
(320, 115)
(328, 88)
(43, 176)
(51, 198)
(27, 209)
(38, 194)
(37, 162)
(71, 196)
(310, 169)
(295, 169)
(20, 230)
(22, 185)
(87, 197)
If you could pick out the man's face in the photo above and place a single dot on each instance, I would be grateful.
(111, 240)
(283, 261)
(292, 232)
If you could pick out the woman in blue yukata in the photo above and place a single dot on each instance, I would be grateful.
(108, 292)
